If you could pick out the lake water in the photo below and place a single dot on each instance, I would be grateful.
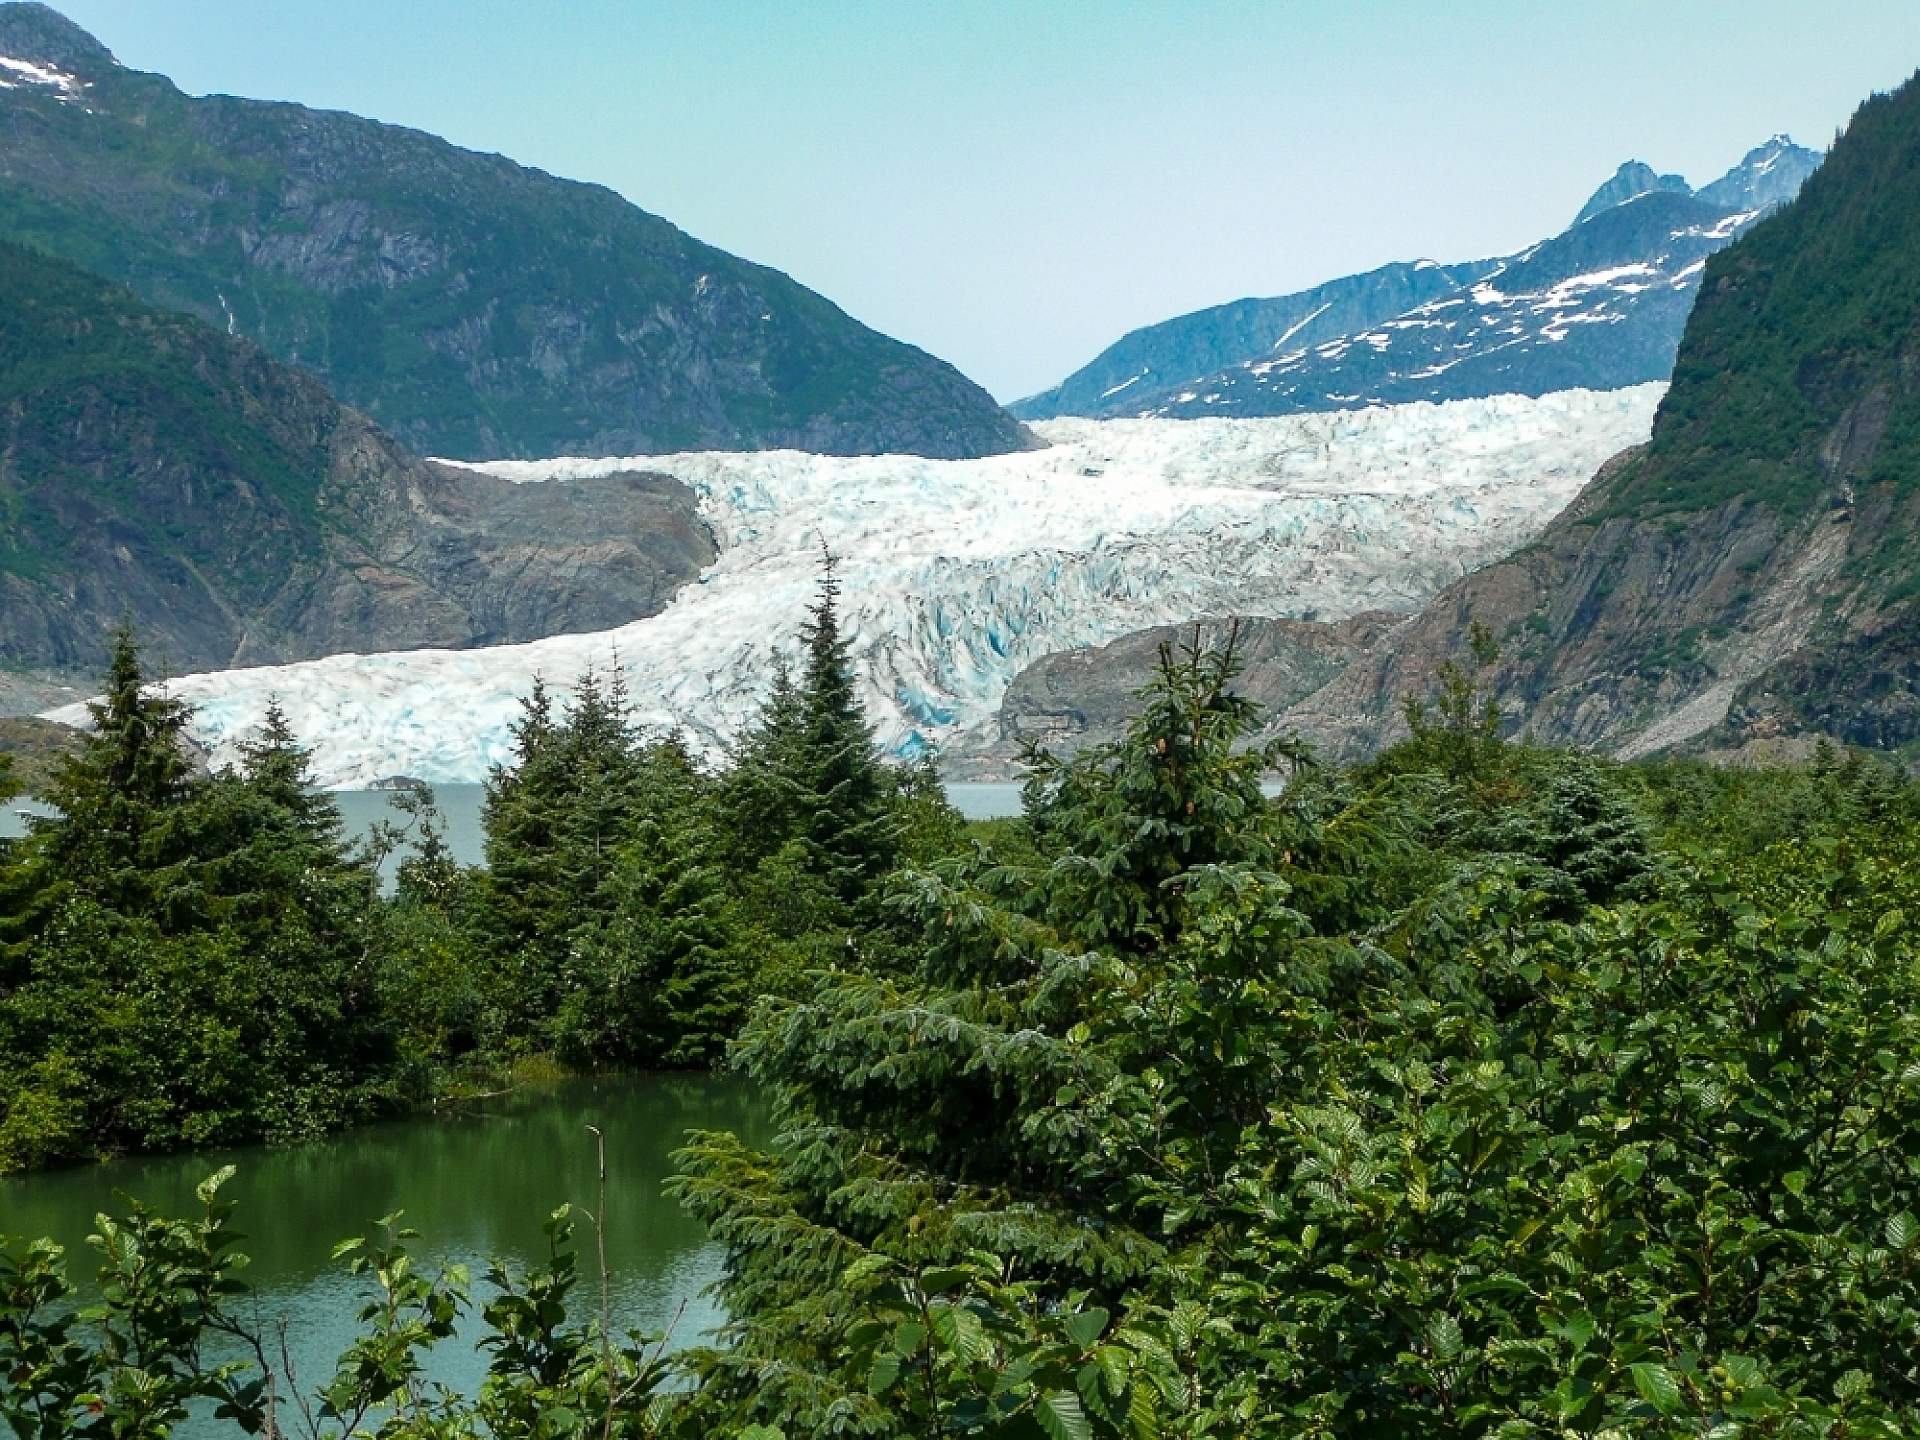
(477, 1185)
(460, 804)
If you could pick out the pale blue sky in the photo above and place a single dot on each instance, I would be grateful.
(1013, 185)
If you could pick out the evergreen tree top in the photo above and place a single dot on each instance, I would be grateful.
(133, 758)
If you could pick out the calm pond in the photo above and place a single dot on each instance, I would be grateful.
(477, 1185)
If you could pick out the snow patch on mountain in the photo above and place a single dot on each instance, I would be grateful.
(15, 73)
(1624, 274)
(957, 574)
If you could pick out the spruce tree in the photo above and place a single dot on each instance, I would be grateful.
(278, 773)
(1023, 1089)
(1594, 836)
(556, 821)
(760, 793)
(272, 844)
(659, 971)
(848, 822)
(193, 961)
(524, 814)
(602, 774)
(121, 832)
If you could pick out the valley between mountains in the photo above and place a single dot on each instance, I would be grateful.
(1450, 966)
(209, 433)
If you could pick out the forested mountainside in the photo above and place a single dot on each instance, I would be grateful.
(157, 472)
(1600, 305)
(1754, 570)
(474, 307)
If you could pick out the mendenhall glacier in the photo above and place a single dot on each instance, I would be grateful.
(955, 574)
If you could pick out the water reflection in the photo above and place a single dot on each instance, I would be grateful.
(478, 1185)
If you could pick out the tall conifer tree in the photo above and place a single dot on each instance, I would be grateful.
(848, 823)
(121, 799)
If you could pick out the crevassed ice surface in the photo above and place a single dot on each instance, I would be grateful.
(956, 574)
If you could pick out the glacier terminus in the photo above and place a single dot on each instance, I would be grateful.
(956, 574)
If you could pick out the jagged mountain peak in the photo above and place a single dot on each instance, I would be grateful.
(1753, 573)
(1600, 305)
(1632, 180)
(1767, 175)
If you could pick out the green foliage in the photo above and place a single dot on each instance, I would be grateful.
(633, 903)
(1482, 1091)
(1801, 318)
(553, 822)
(1458, 734)
(636, 903)
(806, 788)
(1426, 1101)
(974, 1122)
(187, 959)
(133, 1365)
(1739, 812)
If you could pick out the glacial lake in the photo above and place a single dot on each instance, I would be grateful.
(477, 1184)
(460, 804)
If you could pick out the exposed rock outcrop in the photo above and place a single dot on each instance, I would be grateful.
(1087, 697)
(1754, 572)
(155, 471)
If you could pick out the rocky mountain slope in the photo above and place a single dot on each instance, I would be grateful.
(472, 306)
(1087, 697)
(157, 471)
(957, 574)
(1754, 571)
(1600, 305)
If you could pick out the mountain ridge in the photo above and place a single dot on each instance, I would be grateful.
(1463, 339)
(473, 306)
(1753, 572)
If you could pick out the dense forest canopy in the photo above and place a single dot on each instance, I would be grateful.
(1480, 1090)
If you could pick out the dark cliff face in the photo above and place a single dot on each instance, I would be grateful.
(1755, 570)
(156, 471)
(472, 306)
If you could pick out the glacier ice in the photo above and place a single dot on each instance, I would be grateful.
(957, 573)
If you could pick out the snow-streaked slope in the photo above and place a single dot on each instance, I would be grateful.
(955, 574)
(1604, 303)
(1601, 305)
(15, 73)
